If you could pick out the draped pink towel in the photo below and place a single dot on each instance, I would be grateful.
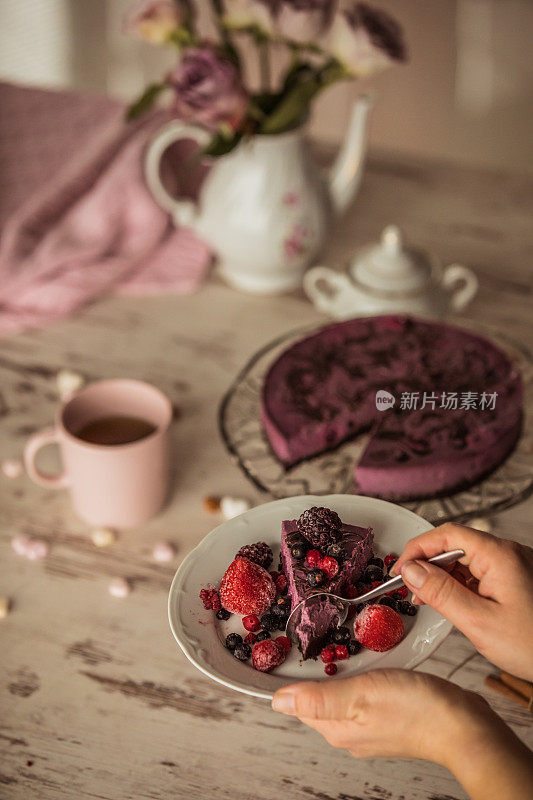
(77, 219)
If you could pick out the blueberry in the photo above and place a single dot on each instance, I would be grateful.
(282, 607)
(376, 562)
(315, 577)
(297, 538)
(341, 635)
(372, 574)
(269, 622)
(243, 651)
(298, 551)
(223, 614)
(262, 635)
(412, 611)
(353, 647)
(232, 640)
(388, 601)
(337, 552)
(396, 596)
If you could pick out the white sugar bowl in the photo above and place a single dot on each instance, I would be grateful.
(388, 277)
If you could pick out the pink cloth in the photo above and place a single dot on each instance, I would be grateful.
(77, 219)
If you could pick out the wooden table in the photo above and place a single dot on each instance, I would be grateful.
(96, 699)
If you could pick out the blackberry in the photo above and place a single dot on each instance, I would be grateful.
(372, 573)
(282, 623)
(269, 622)
(262, 635)
(353, 647)
(223, 614)
(376, 562)
(337, 552)
(341, 635)
(281, 607)
(388, 601)
(260, 553)
(320, 526)
(232, 640)
(243, 651)
(298, 551)
(315, 577)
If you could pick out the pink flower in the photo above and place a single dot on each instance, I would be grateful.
(302, 21)
(155, 20)
(208, 89)
(365, 40)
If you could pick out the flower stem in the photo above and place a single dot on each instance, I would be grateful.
(264, 64)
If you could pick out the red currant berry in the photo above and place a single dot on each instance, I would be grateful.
(251, 638)
(341, 652)
(328, 654)
(251, 623)
(330, 669)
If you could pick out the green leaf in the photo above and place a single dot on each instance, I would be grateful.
(221, 144)
(145, 101)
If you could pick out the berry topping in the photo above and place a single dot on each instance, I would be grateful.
(376, 562)
(313, 558)
(223, 614)
(251, 638)
(285, 642)
(378, 627)
(336, 551)
(262, 635)
(210, 599)
(341, 652)
(390, 559)
(281, 584)
(353, 647)
(328, 654)
(242, 652)
(315, 577)
(373, 573)
(260, 553)
(341, 635)
(267, 655)
(320, 526)
(298, 551)
(329, 566)
(390, 602)
(246, 588)
(251, 623)
(269, 622)
(330, 669)
(232, 640)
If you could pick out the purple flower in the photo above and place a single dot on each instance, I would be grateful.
(208, 89)
(155, 20)
(366, 40)
(302, 21)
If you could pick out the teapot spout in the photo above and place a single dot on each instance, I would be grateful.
(346, 173)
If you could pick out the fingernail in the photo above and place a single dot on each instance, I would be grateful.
(414, 573)
(283, 702)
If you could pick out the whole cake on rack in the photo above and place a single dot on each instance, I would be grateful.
(457, 412)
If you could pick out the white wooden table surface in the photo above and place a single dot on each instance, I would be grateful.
(96, 700)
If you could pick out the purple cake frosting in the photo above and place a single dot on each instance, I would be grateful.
(318, 619)
(321, 392)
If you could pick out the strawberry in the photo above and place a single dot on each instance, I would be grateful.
(267, 654)
(378, 627)
(246, 588)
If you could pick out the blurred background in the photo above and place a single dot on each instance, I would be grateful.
(466, 94)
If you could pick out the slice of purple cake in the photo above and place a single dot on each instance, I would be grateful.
(317, 620)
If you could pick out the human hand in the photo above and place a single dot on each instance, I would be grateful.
(498, 617)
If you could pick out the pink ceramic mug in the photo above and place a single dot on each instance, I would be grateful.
(118, 485)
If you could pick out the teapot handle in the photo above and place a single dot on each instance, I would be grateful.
(183, 211)
(323, 285)
(453, 276)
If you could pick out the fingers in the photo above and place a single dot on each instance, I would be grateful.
(334, 700)
(445, 594)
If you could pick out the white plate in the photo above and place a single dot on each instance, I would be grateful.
(201, 636)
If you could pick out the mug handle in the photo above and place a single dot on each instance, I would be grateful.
(34, 444)
(462, 295)
(183, 211)
(322, 286)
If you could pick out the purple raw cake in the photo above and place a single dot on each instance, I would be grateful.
(322, 391)
(318, 620)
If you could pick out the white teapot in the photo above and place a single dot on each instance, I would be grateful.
(388, 278)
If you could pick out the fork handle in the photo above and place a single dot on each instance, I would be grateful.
(442, 560)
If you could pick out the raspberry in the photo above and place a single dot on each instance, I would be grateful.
(390, 558)
(328, 654)
(251, 623)
(330, 566)
(267, 655)
(260, 553)
(281, 584)
(285, 642)
(330, 669)
(378, 627)
(250, 638)
(313, 558)
(320, 526)
(341, 652)
(210, 599)
(246, 588)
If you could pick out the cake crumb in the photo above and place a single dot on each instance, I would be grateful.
(163, 551)
(233, 506)
(4, 607)
(12, 468)
(103, 537)
(119, 587)
(68, 382)
(212, 503)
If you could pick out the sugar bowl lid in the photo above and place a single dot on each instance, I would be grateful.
(391, 267)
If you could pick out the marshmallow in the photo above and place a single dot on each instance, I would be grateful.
(119, 587)
(233, 506)
(68, 382)
(103, 537)
(163, 551)
(12, 468)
